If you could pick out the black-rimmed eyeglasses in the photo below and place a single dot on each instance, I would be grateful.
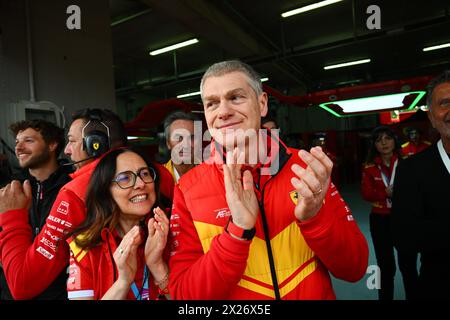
(127, 179)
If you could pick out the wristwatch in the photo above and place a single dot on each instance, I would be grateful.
(246, 234)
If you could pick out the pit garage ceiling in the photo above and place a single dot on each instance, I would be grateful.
(291, 52)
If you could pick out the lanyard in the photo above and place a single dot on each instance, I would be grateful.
(143, 293)
(388, 182)
(444, 155)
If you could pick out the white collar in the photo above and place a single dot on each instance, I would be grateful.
(443, 155)
(177, 175)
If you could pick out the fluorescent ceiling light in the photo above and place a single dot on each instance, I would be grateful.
(174, 47)
(132, 137)
(264, 79)
(188, 94)
(397, 101)
(441, 46)
(308, 8)
(346, 64)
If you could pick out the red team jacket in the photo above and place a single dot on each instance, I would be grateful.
(207, 263)
(373, 188)
(29, 266)
(92, 272)
(409, 149)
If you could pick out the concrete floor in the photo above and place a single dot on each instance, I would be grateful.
(359, 291)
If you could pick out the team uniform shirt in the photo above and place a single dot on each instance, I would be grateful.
(93, 271)
(34, 265)
(376, 177)
(409, 149)
(286, 258)
(173, 171)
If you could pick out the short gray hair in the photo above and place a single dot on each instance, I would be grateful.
(174, 116)
(225, 67)
(444, 77)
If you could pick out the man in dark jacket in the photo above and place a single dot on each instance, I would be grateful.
(38, 145)
(420, 206)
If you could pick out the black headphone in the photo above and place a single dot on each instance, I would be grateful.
(96, 142)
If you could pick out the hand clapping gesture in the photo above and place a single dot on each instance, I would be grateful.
(15, 196)
(240, 196)
(125, 256)
(313, 183)
(158, 230)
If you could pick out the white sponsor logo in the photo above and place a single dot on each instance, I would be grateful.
(350, 217)
(48, 243)
(45, 253)
(50, 226)
(54, 238)
(60, 221)
(63, 207)
(222, 213)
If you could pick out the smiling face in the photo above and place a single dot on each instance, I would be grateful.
(31, 149)
(439, 113)
(231, 104)
(138, 200)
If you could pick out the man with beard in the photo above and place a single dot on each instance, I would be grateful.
(38, 145)
(420, 206)
(32, 265)
(179, 134)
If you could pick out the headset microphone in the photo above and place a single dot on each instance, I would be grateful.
(72, 163)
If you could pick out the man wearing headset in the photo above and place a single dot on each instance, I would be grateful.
(31, 266)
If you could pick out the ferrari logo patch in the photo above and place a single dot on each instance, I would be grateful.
(96, 146)
(294, 196)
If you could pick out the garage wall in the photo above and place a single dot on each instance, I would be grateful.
(72, 68)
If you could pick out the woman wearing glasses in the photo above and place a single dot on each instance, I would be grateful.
(119, 250)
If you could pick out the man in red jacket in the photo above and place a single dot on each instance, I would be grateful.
(266, 228)
(415, 144)
(31, 266)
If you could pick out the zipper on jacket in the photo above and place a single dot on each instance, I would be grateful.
(269, 246)
(266, 230)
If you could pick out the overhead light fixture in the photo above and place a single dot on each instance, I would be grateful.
(346, 64)
(264, 79)
(308, 8)
(390, 102)
(174, 47)
(188, 94)
(441, 46)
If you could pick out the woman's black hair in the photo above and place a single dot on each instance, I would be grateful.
(102, 210)
(375, 135)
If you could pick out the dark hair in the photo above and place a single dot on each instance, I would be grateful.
(48, 130)
(117, 132)
(441, 78)
(177, 115)
(376, 133)
(102, 210)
